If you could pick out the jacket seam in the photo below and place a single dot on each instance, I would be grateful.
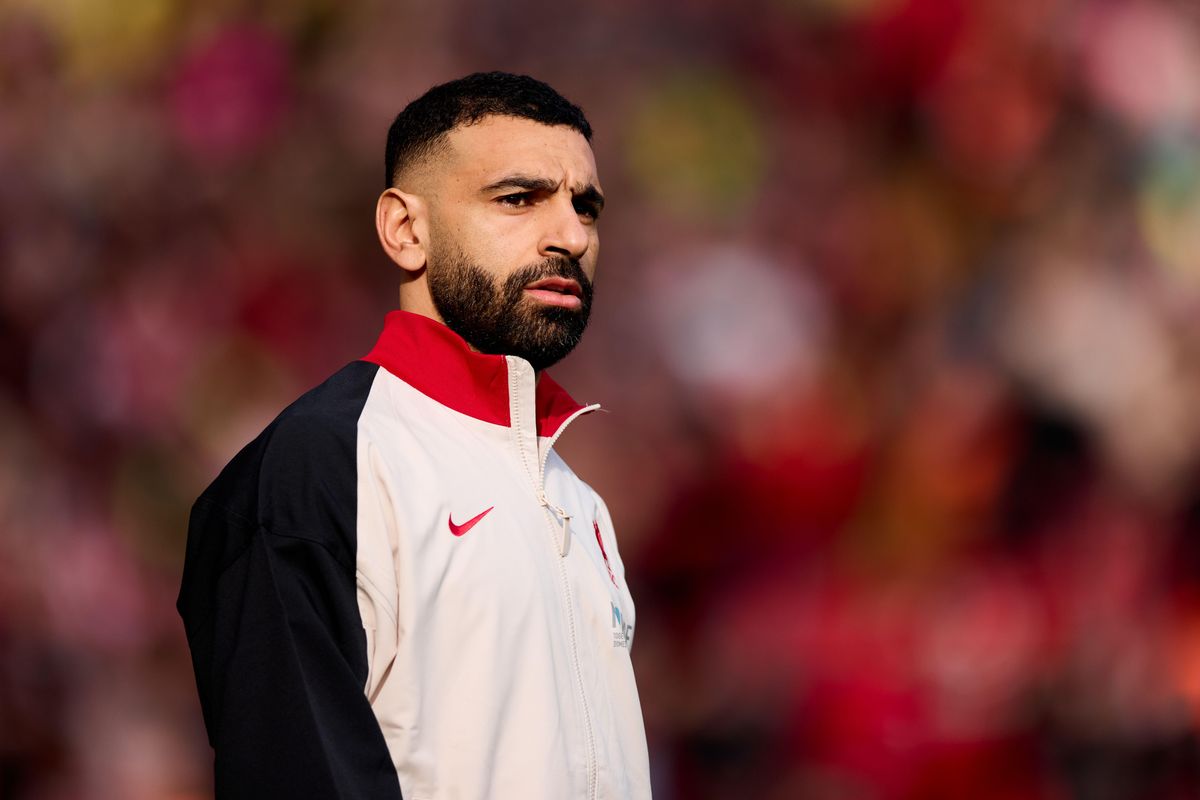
(255, 526)
(378, 593)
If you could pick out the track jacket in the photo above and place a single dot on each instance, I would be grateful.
(400, 585)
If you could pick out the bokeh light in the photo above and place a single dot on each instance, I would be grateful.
(696, 145)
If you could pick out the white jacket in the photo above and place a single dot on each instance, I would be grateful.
(408, 542)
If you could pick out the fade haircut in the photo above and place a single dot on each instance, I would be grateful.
(422, 126)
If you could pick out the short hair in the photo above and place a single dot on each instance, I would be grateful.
(423, 124)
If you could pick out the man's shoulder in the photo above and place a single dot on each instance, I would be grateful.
(337, 400)
(294, 481)
(316, 419)
(306, 452)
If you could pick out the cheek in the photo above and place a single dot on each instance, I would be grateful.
(591, 259)
(483, 243)
(498, 236)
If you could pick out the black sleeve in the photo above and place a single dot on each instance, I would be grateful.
(270, 608)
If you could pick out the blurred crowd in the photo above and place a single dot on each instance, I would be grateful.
(897, 322)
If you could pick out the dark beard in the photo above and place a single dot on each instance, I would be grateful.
(501, 320)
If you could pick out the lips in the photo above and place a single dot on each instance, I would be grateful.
(559, 285)
(562, 292)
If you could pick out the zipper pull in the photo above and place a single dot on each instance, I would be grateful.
(564, 546)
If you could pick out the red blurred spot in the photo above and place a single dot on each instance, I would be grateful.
(230, 94)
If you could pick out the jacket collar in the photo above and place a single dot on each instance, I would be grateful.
(436, 361)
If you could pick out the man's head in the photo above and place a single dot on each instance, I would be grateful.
(491, 212)
(420, 129)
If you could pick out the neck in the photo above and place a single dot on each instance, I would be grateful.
(415, 298)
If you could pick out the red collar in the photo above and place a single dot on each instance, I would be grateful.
(436, 362)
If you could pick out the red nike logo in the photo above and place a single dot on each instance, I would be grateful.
(459, 530)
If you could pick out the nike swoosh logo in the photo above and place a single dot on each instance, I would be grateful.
(459, 530)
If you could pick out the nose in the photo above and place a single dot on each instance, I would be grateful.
(565, 233)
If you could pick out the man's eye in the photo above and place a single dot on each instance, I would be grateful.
(518, 200)
(588, 210)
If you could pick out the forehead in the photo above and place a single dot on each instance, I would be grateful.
(499, 146)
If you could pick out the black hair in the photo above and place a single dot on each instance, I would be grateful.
(420, 127)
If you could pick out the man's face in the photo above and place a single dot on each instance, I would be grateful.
(513, 240)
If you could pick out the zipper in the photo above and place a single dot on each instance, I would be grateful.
(562, 540)
(565, 545)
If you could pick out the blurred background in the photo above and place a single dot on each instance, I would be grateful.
(898, 325)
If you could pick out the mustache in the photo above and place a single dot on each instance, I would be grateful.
(550, 267)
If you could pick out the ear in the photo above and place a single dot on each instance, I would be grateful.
(400, 223)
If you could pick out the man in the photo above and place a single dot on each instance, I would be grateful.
(399, 584)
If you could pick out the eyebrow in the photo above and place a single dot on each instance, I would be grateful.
(588, 193)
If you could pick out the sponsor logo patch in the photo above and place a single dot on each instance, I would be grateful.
(622, 634)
